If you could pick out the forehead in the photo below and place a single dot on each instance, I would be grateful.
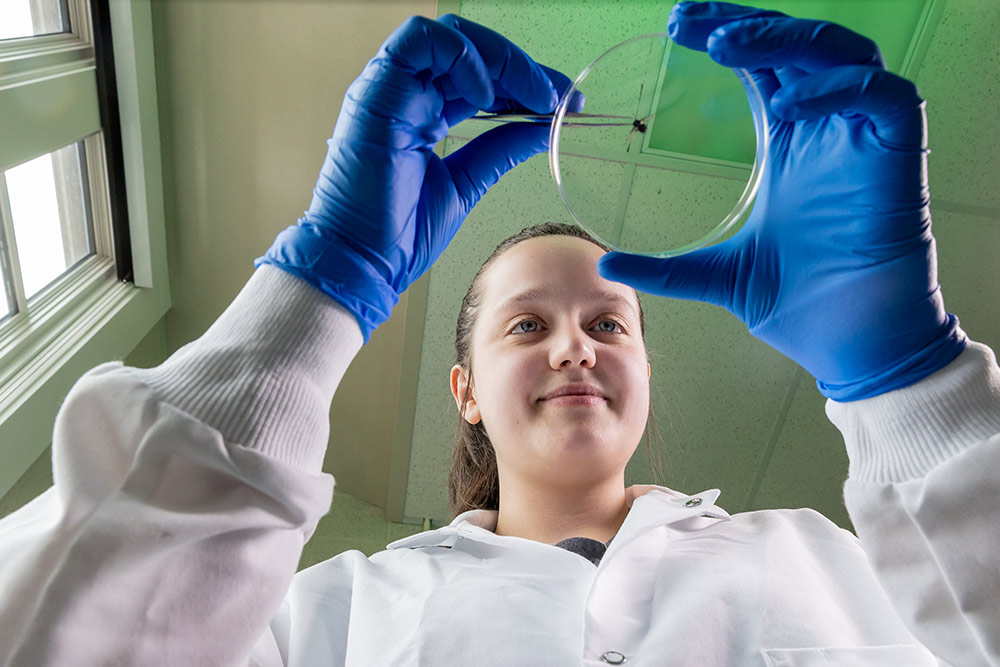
(560, 268)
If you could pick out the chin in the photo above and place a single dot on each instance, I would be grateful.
(594, 449)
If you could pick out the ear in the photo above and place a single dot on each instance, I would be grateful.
(649, 370)
(459, 386)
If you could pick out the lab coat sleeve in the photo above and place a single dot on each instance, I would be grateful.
(922, 490)
(183, 494)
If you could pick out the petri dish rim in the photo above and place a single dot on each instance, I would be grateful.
(745, 201)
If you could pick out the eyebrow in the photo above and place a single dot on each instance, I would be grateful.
(541, 294)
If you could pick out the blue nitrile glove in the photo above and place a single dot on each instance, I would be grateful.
(385, 206)
(836, 265)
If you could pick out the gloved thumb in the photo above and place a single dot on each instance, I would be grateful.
(478, 165)
(702, 275)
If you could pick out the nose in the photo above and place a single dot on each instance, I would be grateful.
(571, 348)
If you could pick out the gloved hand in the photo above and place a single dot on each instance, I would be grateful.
(836, 265)
(385, 206)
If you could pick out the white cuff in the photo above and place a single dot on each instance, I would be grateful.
(903, 434)
(265, 372)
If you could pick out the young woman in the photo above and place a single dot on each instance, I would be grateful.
(562, 397)
(183, 494)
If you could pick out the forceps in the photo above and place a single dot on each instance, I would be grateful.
(571, 119)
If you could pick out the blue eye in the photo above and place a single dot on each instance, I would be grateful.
(526, 326)
(609, 326)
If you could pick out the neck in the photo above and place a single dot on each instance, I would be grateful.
(550, 513)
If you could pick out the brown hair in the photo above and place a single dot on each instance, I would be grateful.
(473, 481)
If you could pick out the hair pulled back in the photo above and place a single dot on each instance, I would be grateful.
(473, 481)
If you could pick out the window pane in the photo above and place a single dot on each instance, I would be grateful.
(50, 211)
(27, 18)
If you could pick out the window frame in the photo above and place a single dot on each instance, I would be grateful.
(90, 315)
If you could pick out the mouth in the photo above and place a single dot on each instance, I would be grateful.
(575, 394)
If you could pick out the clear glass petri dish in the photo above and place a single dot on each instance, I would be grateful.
(667, 153)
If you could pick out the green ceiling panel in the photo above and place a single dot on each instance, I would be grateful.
(702, 109)
(568, 34)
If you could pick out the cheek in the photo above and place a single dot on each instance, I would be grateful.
(632, 362)
(503, 389)
(641, 398)
(638, 385)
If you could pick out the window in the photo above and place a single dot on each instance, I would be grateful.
(82, 251)
(56, 206)
(48, 223)
(28, 18)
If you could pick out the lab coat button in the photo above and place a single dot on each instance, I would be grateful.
(613, 658)
(694, 502)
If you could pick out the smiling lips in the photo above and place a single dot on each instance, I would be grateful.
(575, 394)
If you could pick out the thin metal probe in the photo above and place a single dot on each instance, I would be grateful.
(576, 119)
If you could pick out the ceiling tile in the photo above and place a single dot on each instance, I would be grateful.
(808, 463)
(960, 79)
(968, 270)
(717, 393)
(669, 209)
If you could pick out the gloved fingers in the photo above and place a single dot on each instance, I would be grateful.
(505, 102)
(560, 82)
(766, 83)
(787, 74)
(691, 23)
(702, 275)
(783, 41)
(423, 45)
(479, 164)
(455, 111)
(525, 82)
(456, 108)
(891, 102)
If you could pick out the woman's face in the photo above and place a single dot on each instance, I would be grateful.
(560, 375)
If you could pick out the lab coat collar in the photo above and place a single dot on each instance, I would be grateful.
(649, 506)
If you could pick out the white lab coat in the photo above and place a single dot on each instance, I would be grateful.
(184, 494)
(679, 585)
